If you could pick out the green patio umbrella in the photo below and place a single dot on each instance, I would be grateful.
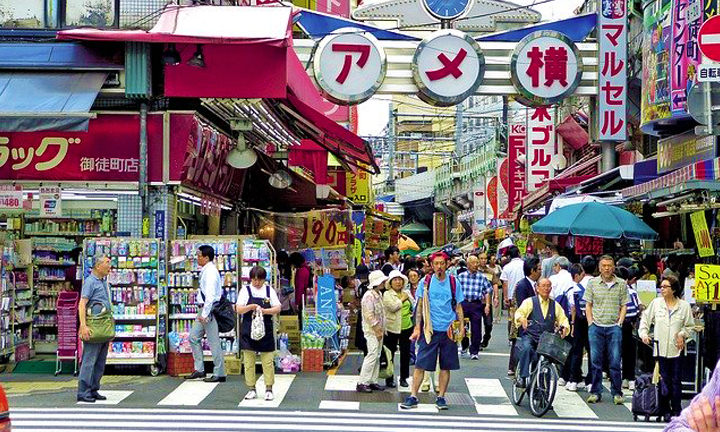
(594, 219)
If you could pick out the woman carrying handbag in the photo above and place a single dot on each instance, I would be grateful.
(673, 321)
(257, 303)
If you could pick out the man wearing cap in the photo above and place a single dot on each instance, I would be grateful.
(439, 298)
(373, 314)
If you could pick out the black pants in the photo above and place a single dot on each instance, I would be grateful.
(391, 341)
(473, 311)
(512, 364)
(566, 370)
(671, 391)
(487, 325)
(581, 343)
(629, 350)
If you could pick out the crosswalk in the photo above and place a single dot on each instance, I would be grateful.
(99, 419)
(484, 396)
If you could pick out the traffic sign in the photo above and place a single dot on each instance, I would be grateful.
(704, 103)
(709, 38)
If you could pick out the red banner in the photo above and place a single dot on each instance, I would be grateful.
(108, 151)
(516, 156)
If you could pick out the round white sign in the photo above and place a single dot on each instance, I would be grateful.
(349, 66)
(448, 66)
(545, 68)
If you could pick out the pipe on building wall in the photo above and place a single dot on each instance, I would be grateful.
(144, 159)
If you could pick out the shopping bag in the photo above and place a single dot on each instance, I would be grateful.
(257, 328)
(387, 367)
(224, 314)
(101, 325)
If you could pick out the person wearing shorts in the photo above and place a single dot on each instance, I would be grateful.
(437, 308)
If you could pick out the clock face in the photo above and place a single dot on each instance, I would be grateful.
(446, 9)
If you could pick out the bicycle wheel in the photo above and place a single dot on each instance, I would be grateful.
(517, 392)
(543, 388)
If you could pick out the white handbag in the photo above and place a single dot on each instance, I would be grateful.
(257, 328)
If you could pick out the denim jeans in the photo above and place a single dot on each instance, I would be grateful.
(606, 342)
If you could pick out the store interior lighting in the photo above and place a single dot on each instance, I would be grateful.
(196, 201)
(171, 56)
(241, 157)
(198, 59)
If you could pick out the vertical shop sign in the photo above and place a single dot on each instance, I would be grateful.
(655, 103)
(50, 202)
(11, 197)
(357, 187)
(160, 224)
(439, 229)
(479, 206)
(503, 188)
(491, 208)
(702, 234)
(358, 221)
(540, 146)
(612, 81)
(326, 300)
(516, 154)
(684, 52)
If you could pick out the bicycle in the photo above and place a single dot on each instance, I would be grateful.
(542, 388)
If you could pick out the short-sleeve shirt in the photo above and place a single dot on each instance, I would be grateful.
(442, 313)
(96, 291)
(512, 273)
(261, 292)
(606, 300)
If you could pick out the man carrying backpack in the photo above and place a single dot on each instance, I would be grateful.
(438, 306)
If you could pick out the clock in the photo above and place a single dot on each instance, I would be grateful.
(446, 9)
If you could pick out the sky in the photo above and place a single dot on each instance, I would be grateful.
(373, 114)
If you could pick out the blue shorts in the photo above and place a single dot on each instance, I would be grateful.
(440, 344)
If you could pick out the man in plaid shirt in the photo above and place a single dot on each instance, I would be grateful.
(477, 290)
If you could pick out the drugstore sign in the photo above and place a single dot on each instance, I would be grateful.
(108, 151)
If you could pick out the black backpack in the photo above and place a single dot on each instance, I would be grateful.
(224, 314)
(646, 398)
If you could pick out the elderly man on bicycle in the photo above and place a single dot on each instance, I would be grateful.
(535, 317)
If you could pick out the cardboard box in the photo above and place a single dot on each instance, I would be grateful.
(289, 323)
(233, 365)
(312, 360)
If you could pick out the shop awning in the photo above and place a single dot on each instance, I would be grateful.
(47, 101)
(614, 179)
(572, 133)
(203, 25)
(690, 177)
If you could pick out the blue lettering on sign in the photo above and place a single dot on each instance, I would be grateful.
(327, 301)
(160, 224)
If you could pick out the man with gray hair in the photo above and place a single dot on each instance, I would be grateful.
(561, 279)
(95, 297)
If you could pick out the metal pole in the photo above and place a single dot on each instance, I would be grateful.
(391, 146)
(143, 159)
(459, 108)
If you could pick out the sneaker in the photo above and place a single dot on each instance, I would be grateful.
(571, 387)
(440, 403)
(269, 395)
(474, 357)
(363, 388)
(593, 398)
(619, 400)
(631, 386)
(376, 387)
(511, 373)
(390, 383)
(562, 382)
(409, 403)
(625, 384)
(463, 352)
(252, 394)
(581, 385)
(588, 388)
(404, 383)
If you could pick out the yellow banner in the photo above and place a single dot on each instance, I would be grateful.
(702, 234)
(325, 229)
(357, 187)
(707, 283)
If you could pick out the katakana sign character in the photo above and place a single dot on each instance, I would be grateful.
(364, 51)
(19, 154)
(609, 123)
(540, 158)
(617, 32)
(556, 60)
(62, 144)
(612, 93)
(546, 134)
(536, 63)
(450, 67)
(610, 64)
(87, 164)
(4, 151)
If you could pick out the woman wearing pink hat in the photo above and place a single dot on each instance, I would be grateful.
(373, 311)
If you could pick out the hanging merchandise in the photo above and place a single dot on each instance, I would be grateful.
(137, 295)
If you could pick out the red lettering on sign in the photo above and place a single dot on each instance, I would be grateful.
(450, 67)
(364, 51)
(613, 37)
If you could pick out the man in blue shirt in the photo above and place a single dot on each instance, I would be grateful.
(476, 289)
(437, 307)
(95, 296)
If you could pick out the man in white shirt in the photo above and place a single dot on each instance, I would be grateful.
(512, 274)
(562, 280)
(205, 324)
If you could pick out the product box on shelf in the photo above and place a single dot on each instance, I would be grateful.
(312, 360)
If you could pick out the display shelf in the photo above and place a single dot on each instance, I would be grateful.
(7, 296)
(183, 316)
(135, 294)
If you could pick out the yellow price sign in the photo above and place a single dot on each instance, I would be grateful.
(702, 234)
(323, 230)
(707, 283)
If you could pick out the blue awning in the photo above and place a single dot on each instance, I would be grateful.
(318, 25)
(61, 56)
(47, 101)
(576, 28)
